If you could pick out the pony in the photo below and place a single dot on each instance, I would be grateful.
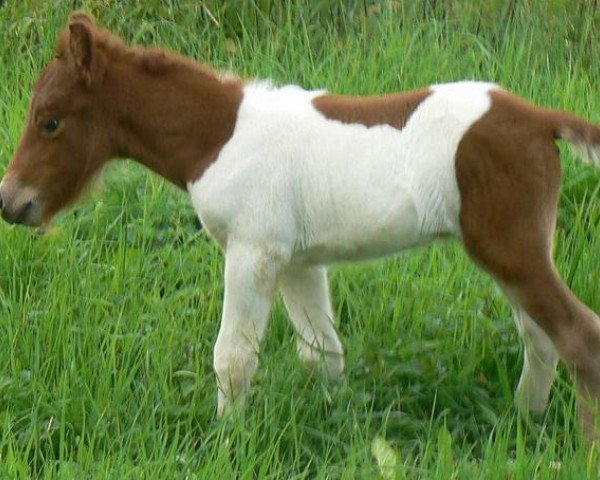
(288, 181)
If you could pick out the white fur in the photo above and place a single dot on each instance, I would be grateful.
(293, 190)
(588, 152)
(539, 365)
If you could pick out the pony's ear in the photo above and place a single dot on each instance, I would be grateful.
(86, 57)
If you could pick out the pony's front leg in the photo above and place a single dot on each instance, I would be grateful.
(250, 278)
(306, 296)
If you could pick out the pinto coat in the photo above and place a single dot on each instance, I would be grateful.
(288, 181)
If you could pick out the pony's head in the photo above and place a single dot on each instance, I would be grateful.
(67, 135)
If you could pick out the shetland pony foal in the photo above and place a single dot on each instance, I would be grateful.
(288, 180)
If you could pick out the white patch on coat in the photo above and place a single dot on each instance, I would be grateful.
(327, 191)
(292, 188)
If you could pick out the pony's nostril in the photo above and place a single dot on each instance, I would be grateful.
(23, 214)
(25, 209)
(1, 203)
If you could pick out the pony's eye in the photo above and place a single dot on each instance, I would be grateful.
(52, 126)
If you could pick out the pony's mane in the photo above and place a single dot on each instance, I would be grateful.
(159, 61)
(154, 60)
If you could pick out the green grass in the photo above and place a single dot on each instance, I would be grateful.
(108, 323)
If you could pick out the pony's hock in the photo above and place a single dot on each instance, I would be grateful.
(288, 180)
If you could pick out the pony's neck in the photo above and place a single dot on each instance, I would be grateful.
(169, 114)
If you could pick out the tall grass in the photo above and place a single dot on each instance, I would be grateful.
(107, 324)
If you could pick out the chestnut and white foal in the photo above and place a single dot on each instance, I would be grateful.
(288, 180)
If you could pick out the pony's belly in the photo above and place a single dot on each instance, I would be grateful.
(362, 234)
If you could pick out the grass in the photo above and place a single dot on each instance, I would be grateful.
(107, 324)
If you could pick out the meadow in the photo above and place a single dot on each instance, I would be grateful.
(107, 323)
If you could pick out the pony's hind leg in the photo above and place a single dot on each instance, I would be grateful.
(565, 326)
(306, 296)
(509, 199)
(553, 323)
(540, 360)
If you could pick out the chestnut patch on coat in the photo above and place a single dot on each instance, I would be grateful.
(508, 173)
(393, 110)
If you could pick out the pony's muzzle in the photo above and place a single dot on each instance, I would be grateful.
(18, 204)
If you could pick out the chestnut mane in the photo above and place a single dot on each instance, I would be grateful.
(154, 60)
